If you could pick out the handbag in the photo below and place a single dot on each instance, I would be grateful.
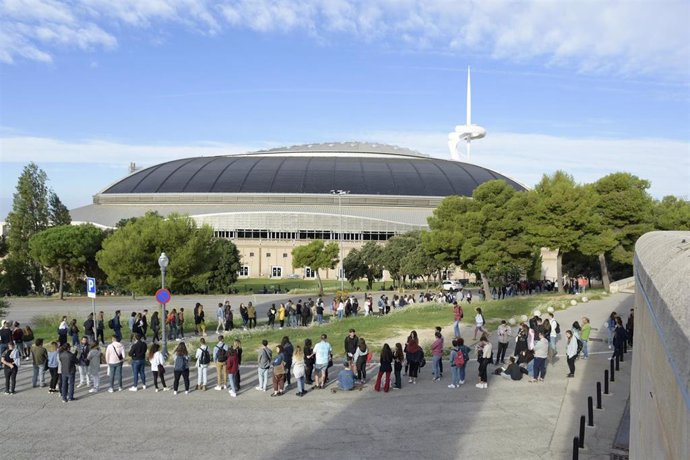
(279, 369)
(161, 369)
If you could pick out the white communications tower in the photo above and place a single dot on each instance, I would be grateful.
(466, 132)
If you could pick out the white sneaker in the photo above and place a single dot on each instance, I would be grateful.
(166, 389)
(258, 389)
(479, 385)
(175, 393)
(462, 382)
(217, 387)
(485, 385)
(233, 394)
(157, 390)
(110, 390)
(80, 385)
(186, 392)
(451, 386)
(93, 390)
(133, 389)
(143, 387)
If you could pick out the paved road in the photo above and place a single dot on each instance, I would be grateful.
(427, 420)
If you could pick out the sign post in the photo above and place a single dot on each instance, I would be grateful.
(163, 297)
(91, 292)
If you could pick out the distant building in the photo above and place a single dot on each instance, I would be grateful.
(270, 201)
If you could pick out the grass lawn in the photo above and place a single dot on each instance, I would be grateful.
(304, 286)
(376, 330)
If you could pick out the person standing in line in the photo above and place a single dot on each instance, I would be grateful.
(398, 359)
(63, 330)
(82, 353)
(114, 358)
(89, 329)
(457, 315)
(571, 352)
(456, 361)
(220, 357)
(611, 326)
(412, 351)
(299, 370)
(437, 355)
(244, 314)
(479, 323)
(28, 342)
(229, 317)
(220, 319)
(541, 352)
(553, 335)
(39, 356)
(237, 345)
(287, 357)
(584, 336)
(272, 312)
(195, 314)
(180, 325)
(144, 324)
(172, 324)
(619, 339)
(68, 362)
(132, 323)
(181, 368)
(319, 311)
(203, 359)
(630, 327)
(265, 357)
(100, 328)
(93, 366)
(279, 369)
(385, 368)
(6, 336)
(504, 332)
(53, 362)
(465, 350)
(157, 366)
(486, 350)
(155, 327)
(281, 315)
(202, 320)
(233, 366)
(351, 342)
(138, 354)
(116, 325)
(308, 361)
(11, 360)
(251, 312)
(322, 354)
(74, 332)
(360, 360)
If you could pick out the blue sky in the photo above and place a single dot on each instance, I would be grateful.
(88, 86)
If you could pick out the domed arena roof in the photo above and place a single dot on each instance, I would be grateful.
(360, 168)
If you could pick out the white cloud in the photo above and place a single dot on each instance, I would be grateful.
(524, 157)
(612, 37)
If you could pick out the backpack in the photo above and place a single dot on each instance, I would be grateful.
(558, 328)
(111, 323)
(221, 354)
(205, 357)
(459, 360)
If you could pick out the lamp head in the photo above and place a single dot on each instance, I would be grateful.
(163, 261)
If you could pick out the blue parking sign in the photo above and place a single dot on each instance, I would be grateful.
(91, 287)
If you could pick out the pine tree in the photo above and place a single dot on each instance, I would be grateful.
(59, 214)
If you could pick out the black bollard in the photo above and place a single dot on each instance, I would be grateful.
(576, 448)
(612, 372)
(598, 395)
(618, 360)
(590, 412)
(582, 432)
(606, 382)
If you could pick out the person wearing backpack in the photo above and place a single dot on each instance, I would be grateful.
(479, 323)
(457, 361)
(220, 357)
(115, 324)
(203, 359)
(553, 336)
(181, 368)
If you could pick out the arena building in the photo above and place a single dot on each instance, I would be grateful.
(267, 202)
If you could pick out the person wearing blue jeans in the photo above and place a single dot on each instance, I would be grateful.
(541, 352)
(454, 368)
(138, 354)
(68, 361)
(465, 350)
(436, 355)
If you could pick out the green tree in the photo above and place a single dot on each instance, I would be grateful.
(58, 212)
(316, 255)
(224, 274)
(446, 235)
(66, 247)
(354, 267)
(30, 214)
(672, 213)
(14, 279)
(622, 212)
(495, 224)
(129, 255)
(394, 254)
(558, 213)
(419, 262)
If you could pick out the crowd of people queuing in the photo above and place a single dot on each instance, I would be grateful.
(75, 353)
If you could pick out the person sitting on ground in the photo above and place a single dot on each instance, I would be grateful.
(346, 377)
(513, 371)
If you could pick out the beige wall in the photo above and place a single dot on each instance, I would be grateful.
(660, 380)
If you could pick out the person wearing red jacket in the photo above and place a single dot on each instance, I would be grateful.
(233, 367)
(458, 314)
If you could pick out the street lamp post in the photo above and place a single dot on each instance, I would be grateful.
(341, 273)
(163, 263)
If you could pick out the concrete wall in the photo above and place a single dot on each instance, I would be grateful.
(659, 394)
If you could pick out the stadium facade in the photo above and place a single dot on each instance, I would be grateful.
(270, 201)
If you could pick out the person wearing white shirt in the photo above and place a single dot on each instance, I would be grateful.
(571, 352)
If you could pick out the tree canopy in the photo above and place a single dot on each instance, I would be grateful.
(316, 255)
